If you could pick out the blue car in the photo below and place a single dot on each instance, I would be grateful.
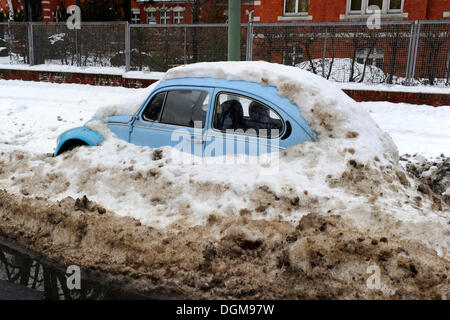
(206, 117)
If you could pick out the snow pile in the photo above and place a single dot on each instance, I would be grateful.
(127, 105)
(414, 128)
(340, 69)
(434, 174)
(335, 206)
(351, 170)
(54, 38)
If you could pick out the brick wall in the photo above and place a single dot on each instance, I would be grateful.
(436, 9)
(432, 99)
(75, 77)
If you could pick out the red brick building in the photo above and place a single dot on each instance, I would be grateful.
(43, 10)
(268, 11)
(387, 51)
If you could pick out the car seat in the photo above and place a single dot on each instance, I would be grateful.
(259, 113)
(232, 115)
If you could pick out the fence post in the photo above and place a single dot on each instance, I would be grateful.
(30, 44)
(185, 46)
(324, 52)
(408, 62)
(414, 61)
(249, 46)
(77, 53)
(412, 54)
(127, 46)
(234, 30)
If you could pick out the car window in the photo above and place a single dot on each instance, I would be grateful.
(154, 107)
(246, 116)
(184, 107)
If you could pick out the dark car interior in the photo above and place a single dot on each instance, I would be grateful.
(230, 115)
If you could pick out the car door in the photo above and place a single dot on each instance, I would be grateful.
(174, 116)
(242, 123)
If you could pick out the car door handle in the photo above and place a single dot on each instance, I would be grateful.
(199, 141)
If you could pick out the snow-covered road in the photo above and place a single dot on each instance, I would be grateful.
(34, 113)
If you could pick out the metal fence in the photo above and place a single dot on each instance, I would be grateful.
(402, 52)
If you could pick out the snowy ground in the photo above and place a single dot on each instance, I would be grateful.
(35, 113)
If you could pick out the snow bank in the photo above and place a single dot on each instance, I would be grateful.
(351, 171)
(126, 105)
(341, 70)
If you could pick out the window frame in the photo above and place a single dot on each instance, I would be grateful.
(349, 7)
(368, 11)
(144, 118)
(151, 12)
(166, 92)
(164, 15)
(385, 9)
(216, 100)
(135, 17)
(389, 10)
(296, 13)
(178, 19)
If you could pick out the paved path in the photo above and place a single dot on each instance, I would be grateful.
(12, 291)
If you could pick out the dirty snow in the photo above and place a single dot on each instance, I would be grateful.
(352, 170)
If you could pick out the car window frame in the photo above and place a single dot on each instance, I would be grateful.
(166, 91)
(216, 98)
(160, 112)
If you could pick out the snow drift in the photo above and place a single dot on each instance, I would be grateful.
(351, 172)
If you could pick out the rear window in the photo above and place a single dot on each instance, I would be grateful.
(244, 115)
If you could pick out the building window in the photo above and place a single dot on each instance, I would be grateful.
(386, 6)
(355, 5)
(135, 17)
(151, 16)
(296, 6)
(395, 5)
(177, 16)
(164, 17)
(374, 58)
(378, 3)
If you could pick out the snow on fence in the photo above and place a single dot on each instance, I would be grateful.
(401, 52)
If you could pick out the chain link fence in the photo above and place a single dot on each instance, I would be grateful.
(14, 48)
(402, 52)
(160, 47)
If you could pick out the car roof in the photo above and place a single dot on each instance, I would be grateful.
(269, 93)
(266, 92)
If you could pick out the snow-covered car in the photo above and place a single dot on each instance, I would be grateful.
(205, 116)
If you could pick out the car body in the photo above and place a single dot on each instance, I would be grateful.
(205, 117)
